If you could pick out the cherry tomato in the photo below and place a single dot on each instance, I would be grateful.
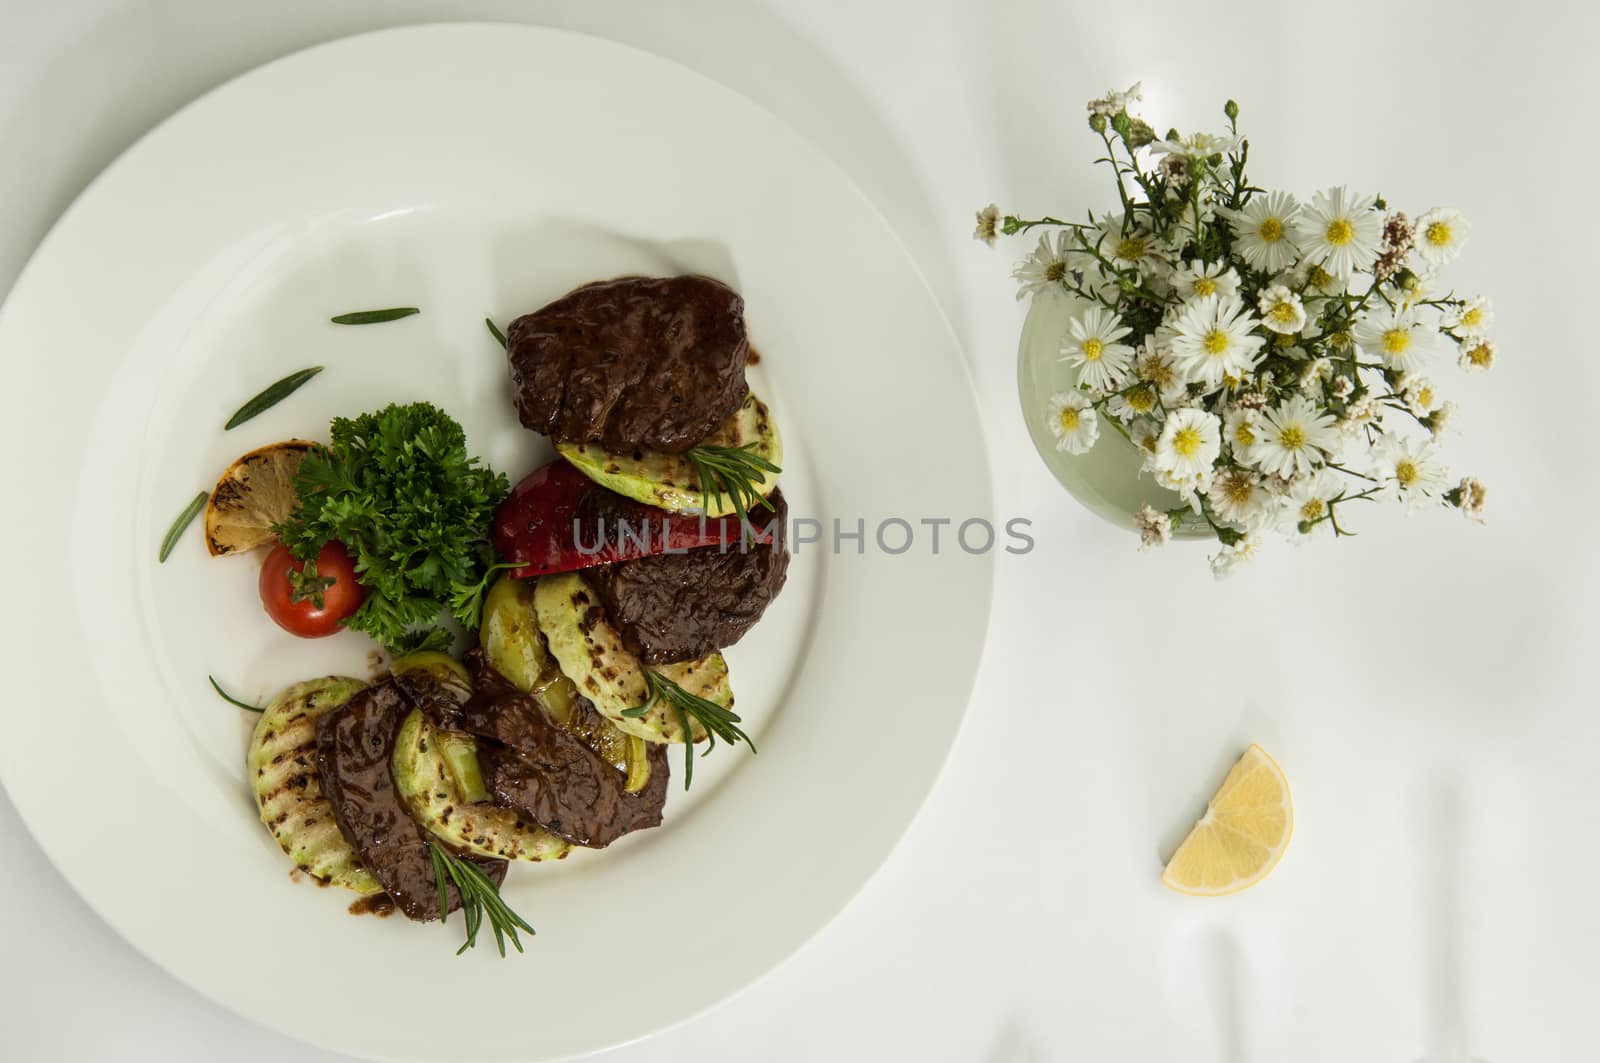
(310, 601)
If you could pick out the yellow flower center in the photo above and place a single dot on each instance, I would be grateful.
(1473, 317)
(1284, 339)
(1237, 489)
(1271, 230)
(1141, 400)
(1055, 271)
(1438, 234)
(1243, 436)
(1293, 437)
(1216, 342)
(1340, 232)
(1320, 277)
(1480, 355)
(1069, 419)
(1093, 349)
(1204, 286)
(1282, 312)
(1425, 398)
(1405, 473)
(1130, 249)
(1186, 442)
(1313, 509)
(1396, 340)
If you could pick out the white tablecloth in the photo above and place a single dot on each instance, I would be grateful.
(1426, 685)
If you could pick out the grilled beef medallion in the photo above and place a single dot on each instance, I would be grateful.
(678, 607)
(355, 745)
(655, 362)
(534, 766)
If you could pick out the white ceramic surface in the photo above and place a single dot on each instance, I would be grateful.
(1106, 479)
(472, 171)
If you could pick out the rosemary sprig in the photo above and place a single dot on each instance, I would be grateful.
(494, 330)
(736, 472)
(719, 722)
(479, 897)
(269, 398)
(374, 317)
(182, 522)
(230, 699)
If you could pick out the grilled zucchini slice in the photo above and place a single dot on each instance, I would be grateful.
(590, 651)
(427, 784)
(282, 765)
(669, 481)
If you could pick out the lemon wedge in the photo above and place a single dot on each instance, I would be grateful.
(256, 492)
(1243, 834)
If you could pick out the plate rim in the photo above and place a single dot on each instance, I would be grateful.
(26, 278)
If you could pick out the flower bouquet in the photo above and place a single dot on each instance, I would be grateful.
(1267, 357)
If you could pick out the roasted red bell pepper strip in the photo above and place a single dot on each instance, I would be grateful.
(536, 526)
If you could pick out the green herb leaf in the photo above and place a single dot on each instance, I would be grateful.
(269, 398)
(718, 722)
(399, 490)
(374, 317)
(480, 897)
(231, 700)
(180, 524)
(494, 330)
(467, 602)
(306, 585)
(735, 472)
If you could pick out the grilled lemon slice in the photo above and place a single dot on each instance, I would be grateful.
(255, 493)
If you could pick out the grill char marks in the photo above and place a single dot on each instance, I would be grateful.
(652, 362)
(534, 766)
(682, 606)
(355, 748)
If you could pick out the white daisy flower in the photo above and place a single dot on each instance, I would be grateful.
(1239, 431)
(1313, 279)
(1292, 437)
(1047, 268)
(1282, 311)
(1073, 421)
(1155, 527)
(1312, 376)
(1307, 501)
(1471, 495)
(1470, 319)
(1477, 356)
(1359, 414)
(1144, 433)
(1439, 420)
(988, 224)
(1199, 279)
(1418, 395)
(1091, 347)
(1212, 341)
(1132, 403)
(1231, 557)
(1440, 234)
(1237, 497)
(1196, 145)
(1155, 366)
(1114, 102)
(1400, 337)
(1137, 248)
(1409, 470)
(1264, 231)
(1189, 443)
(1340, 231)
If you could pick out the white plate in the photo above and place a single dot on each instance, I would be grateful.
(471, 171)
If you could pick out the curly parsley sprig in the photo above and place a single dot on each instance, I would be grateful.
(399, 490)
